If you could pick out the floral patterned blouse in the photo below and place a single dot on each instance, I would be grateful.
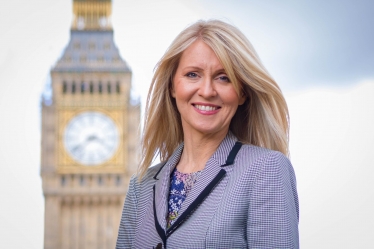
(180, 186)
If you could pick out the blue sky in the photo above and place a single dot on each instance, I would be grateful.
(320, 52)
(324, 41)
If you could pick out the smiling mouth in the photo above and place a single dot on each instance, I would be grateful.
(206, 107)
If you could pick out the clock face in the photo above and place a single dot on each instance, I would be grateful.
(91, 138)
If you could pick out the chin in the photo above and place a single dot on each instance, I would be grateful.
(212, 131)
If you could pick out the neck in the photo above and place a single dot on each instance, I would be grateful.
(198, 148)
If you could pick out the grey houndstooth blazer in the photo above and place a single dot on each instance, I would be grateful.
(244, 198)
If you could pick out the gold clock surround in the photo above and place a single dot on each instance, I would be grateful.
(67, 165)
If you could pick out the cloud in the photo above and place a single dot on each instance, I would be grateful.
(332, 142)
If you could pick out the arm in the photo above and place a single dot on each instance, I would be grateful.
(273, 213)
(127, 226)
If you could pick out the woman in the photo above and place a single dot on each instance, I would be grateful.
(220, 125)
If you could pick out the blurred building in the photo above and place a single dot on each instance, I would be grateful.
(89, 146)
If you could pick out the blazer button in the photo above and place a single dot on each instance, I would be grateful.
(159, 246)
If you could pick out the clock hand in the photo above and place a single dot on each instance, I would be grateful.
(104, 144)
(81, 146)
(94, 138)
(76, 148)
(91, 138)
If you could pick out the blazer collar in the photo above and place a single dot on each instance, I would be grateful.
(162, 186)
(211, 170)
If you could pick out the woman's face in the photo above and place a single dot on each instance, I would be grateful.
(205, 97)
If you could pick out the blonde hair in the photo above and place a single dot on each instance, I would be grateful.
(263, 118)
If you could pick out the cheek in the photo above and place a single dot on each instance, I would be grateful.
(179, 96)
(181, 91)
(231, 98)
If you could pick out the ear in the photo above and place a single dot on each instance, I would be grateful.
(242, 98)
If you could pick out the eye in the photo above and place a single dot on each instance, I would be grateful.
(224, 78)
(191, 75)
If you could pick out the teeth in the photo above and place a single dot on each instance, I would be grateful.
(205, 108)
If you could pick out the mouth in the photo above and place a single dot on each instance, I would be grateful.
(206, 107)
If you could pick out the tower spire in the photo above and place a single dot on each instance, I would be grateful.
(92, 15)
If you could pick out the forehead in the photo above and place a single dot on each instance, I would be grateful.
(199, 54)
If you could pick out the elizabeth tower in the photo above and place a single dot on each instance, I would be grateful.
(89, 135)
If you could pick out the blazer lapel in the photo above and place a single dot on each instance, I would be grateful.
(162, 187)
(212, 168)
(212, 172)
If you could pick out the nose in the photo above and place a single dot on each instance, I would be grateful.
(207, 88)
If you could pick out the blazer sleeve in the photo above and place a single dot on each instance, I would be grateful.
(126, 232)
(273, 213)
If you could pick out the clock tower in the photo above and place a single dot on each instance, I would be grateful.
(89, 146)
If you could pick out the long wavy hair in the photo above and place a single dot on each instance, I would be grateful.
(262, 120)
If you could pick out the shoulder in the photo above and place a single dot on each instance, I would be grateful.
(262, 160)
(270, 169)
(148, 180)
(257, 154)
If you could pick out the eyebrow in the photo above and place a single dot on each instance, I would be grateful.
(222, 70)
(195, 68)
